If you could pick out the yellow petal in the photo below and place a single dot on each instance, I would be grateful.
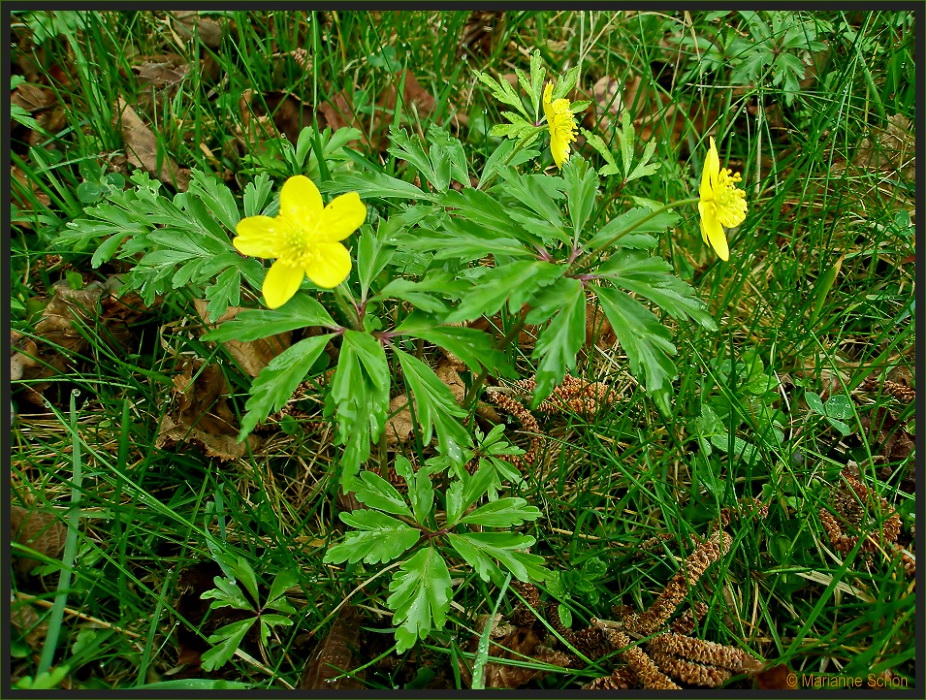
(712, 231)
(342, 217)
(260, 236)
(281, 282)
(548, 93)
(300, 201)
(702, 209)
(330, 266)
(713, 165)
(547, 106)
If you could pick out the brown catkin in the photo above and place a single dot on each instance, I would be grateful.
(902, 393)
(690, 672)
(528, 423)
(639, 662)
(704, 652)
(695, 565)
(622, 679)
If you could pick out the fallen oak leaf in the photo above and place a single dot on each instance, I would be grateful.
(200, 414)
(40, 531)
(336, 655)
(253, 355)
(188, 23)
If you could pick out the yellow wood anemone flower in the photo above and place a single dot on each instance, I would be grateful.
(304, 238)
(722, 205)
(562, 125)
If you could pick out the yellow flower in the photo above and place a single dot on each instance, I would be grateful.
(304, 239)
(562, 125)
(722, 205)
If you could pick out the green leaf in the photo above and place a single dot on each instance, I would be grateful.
(475, 348)
(379, 185)
(282, 582)
(503, 158)
(503, 512)
(539, 193)
(517, 128)
(538, 72)
(226, 641)
(435, 405)
(466, 241)
(420, 490)
(581, 191)
(466, 490)
(410, 149)
(381, 538)
(245, 574)
(302, 311)
(503, 92)
(420, 597)
(226, 594)
(653, 279)
(640, 235)
(378, 493)
(447, 156)
(515, 283)
(359, 396)
(558, 343)
(840, 406)
(481, 208)
(481, 548)
(373, 254)
(421, 294)
(644, 167)
(597, 143)
(216, 197)
(645, 340)
(814, 402)
(275, 384)
(562, 87)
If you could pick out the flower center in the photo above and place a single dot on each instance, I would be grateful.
(729, 201)
(564, 125)
(298, 246)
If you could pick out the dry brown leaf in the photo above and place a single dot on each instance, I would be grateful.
(481, 32)
(58, 337)
(336, 655)
(598, 329)
(21, 201)
(40, 531)
(51, 120)
(141, 149)
(190, 22)
(161, 71)
(895, 444)
(253, 355)
(28, 623)
(518, 644)
(891, 149)
(201, 415)
(400, 428)
(33, 98)
(778, 677)
(607, 100)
